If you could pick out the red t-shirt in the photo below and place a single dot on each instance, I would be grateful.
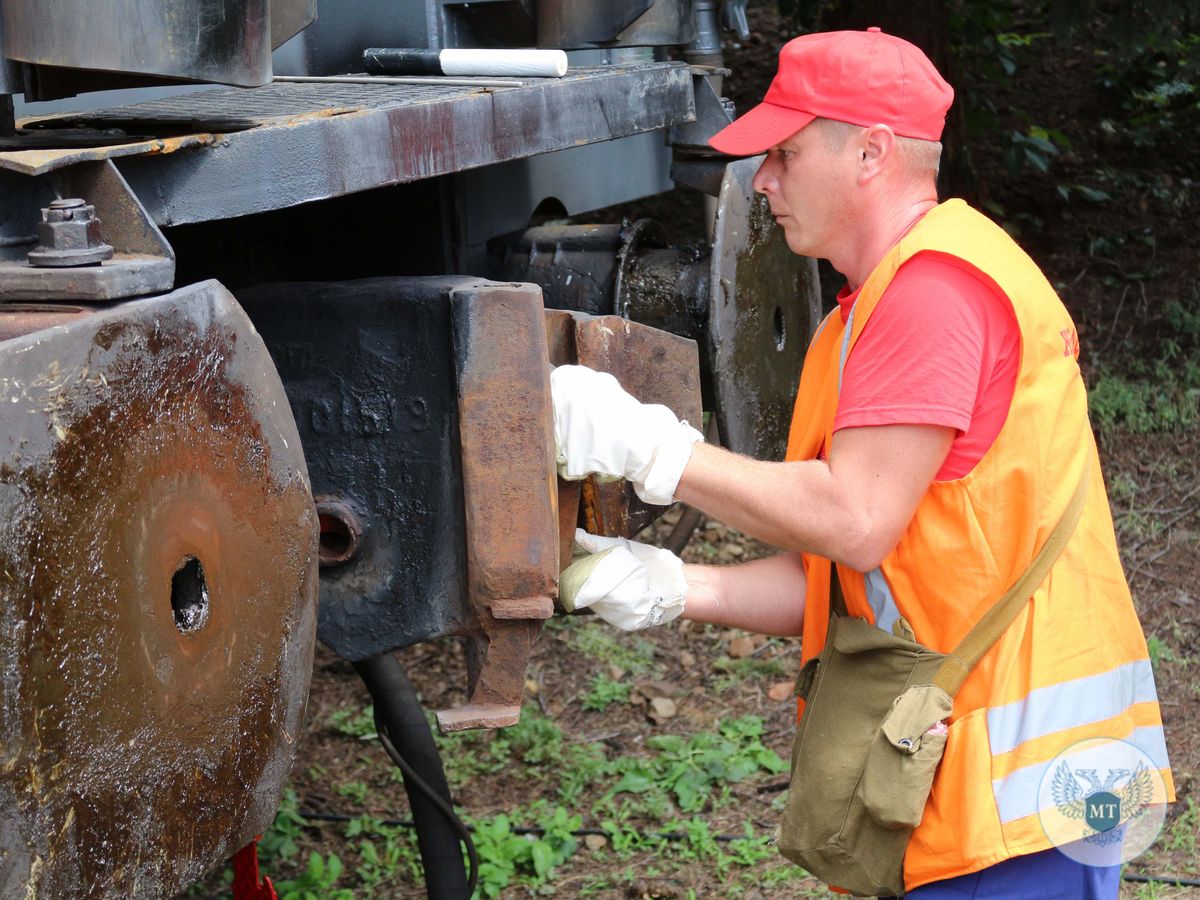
(941, 348)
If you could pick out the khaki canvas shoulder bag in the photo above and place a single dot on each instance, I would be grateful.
(873, 732)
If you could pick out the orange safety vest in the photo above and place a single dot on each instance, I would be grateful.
(1074, 664)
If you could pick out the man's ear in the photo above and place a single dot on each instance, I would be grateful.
(875, 148)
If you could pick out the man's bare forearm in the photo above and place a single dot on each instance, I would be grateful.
(764, 596)
(796, 506)
(851, 509)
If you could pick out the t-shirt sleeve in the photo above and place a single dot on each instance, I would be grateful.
(919, 359)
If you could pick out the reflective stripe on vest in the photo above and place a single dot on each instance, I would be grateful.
(845, 347)
(1069, 704)
(1017, 794)
(879, 595)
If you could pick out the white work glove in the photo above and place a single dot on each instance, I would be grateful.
(627, 584)
(601, 429)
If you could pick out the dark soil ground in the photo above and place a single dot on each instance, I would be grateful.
(599, 702)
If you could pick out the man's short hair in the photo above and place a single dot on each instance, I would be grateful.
(919, 156)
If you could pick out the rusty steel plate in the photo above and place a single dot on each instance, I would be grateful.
(560, 348)
(656, 367)
(653, 365)
(510, 491)
(157, 596)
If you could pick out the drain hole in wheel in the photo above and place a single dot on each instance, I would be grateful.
(189, 596)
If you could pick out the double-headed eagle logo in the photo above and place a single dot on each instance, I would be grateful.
(1105, 808)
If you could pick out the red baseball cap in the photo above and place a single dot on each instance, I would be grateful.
(861, 77)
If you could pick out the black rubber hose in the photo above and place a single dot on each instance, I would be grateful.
(1161, 879)
(406, 737)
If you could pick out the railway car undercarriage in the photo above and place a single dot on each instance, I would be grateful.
(274, 368)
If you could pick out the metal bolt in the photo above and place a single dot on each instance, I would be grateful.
(69, 235)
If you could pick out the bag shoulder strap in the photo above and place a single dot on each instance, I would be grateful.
(962, 659)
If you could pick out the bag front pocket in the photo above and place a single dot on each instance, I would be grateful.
(903, 758)
(896, 784)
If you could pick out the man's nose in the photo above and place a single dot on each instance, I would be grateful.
(764, 178)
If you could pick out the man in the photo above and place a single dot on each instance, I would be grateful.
(939, 432)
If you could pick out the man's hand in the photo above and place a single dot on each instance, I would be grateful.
(629, 585)
(601, 429)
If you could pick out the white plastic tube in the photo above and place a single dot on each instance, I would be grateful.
(527, 63)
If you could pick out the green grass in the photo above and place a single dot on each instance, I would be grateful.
(1163, 653)
(686, 771)
(603, 692)
(505, 857)
(385, 855)
(1168, 401)
(354, 791)
(1184, 833)
(317, 882)
(601, 643)
(671, 785)
(735, 672)
(1144, 393)
(355, 723)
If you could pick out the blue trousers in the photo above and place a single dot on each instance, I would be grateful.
(1048, 875)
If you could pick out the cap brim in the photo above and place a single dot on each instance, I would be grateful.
(759, 130)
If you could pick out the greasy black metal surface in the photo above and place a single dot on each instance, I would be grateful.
(157, 596)
(334, 42)
(712, 114)
(628, 270)
(315, 141)
(661, 285)
(11, 81)
(764, 303)
(368, 370)
(226, 41)
(297, 244)
(573, 24)
(288, 17)
(579, 23)
(574, 265)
